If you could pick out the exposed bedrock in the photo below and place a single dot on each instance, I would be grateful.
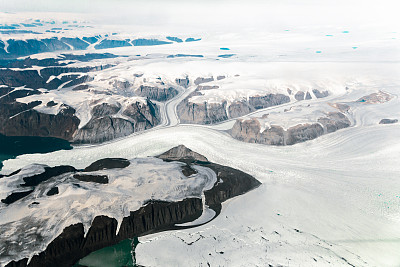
(105, 126)
(388, 121)
(184, 82)
(208, 113)
(33, 79)
(200, 80)
(72, 245)
(250, 130)
(156, 93)
(303, 132)
(19, 119)
(259, 102)
(107, 163)
(334, 121)
(202, 113)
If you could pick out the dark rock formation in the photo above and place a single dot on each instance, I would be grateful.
(107, 163)
(388, 121)
(47, 174)
(103, 127)
(234, 183)
(208, 113)
(299, 95)
(18, 48)
(156, 93)
(334, 121)
(182, 153)
(18, 119)
(319, 94)
(51, 104)
(303, 132)
(250, 130)
(187, 170)
(71, 245)
(35, 80)
(100, 179)
(200, 80)
(308, 96)
(15, 196)
(53, 191)
(239, 108)
(201, 113)
(183, 82)
(259, 102)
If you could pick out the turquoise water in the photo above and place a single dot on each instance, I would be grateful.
(318, 52)
(224, 48)
(121, 254)
(13, 146)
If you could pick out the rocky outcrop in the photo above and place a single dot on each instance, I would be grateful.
(208, 113)
(200, 80)
(15, 196)
(20, 119)
(250, 130)
(100, 179)
(35, 80)
(334, 121)
(299, 96)
(201, 113)
(106, 164)
(53, 191)
(239, 108)
(230, 182)
(319, 94)
(184, 82)
(182, 153)
(156, 93)
(103, 129)
(303, 132)
(375, 98)
(72, 244)
(388, 121)
(33, 180)
(259, 102)
(103, 126)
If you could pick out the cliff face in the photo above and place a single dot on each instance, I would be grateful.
(103, 126)
(250, 130)
(33, 79)
(72, 244)
(156, 93)
(208, 113)
(19, 119)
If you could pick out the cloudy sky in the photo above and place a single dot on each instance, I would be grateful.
(220, 15)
